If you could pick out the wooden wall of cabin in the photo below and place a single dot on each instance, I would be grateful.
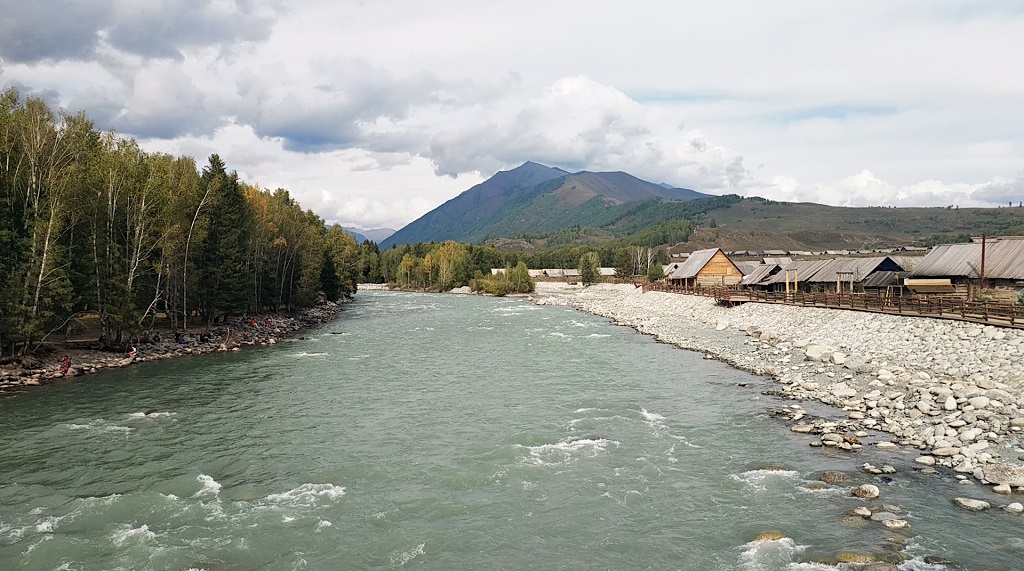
(719, 271)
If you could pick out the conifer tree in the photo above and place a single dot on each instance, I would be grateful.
(223, 275)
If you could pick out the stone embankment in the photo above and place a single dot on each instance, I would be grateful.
(257, 330)
(951, 389)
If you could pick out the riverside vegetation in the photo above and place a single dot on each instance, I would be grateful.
(93, 227)
(949, 389)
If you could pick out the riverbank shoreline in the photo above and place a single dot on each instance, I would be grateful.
(950, 390)
(252, 331)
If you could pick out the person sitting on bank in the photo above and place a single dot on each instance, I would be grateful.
(65, 364)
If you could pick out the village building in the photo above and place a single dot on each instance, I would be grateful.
(832, 275)
(956, 269)
(706, 268)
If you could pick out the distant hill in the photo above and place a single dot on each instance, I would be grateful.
(812, 226)
(536, 206)
(356, 233)
(538, 198)
(375, 234)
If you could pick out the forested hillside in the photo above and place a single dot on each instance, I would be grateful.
(92, 225)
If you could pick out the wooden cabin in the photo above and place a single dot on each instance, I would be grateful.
(706, 268)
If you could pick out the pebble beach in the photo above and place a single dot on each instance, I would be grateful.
(952, 390)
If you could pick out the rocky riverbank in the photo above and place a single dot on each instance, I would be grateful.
(257, 330)
(953, 390)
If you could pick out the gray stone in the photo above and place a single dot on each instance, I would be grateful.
(896, 523)
(866, 491)
(817, 353)
(979, 402)
(1008, 474)
(945, 451)
(971, 505)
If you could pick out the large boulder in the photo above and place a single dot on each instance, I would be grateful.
(1008, 474)
(817, 353)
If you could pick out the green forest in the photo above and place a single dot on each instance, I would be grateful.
(92, 225)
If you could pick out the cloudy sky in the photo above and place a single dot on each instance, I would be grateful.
(373, 113)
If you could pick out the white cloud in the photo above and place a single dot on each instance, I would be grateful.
(379, 104)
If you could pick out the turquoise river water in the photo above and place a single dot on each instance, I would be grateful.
(452, 432)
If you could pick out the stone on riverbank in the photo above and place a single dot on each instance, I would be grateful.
(1005, 474)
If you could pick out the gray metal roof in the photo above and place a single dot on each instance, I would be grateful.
(852, 268)
(761, 272)
(747, 267)
(803, 269)
(694, 264)
(883, 279)
(829, 271)
(1003, 260)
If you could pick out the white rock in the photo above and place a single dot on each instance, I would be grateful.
(1015, 507)
(950, 403)
(972, 505)
(926, 460)
(866, 491)
(1008, 474)
(979, 402)
(1002, 489)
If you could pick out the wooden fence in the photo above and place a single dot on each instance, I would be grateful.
(986, 312)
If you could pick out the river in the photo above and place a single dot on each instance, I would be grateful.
(452, 432)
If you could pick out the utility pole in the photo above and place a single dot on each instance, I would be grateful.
(983, 280)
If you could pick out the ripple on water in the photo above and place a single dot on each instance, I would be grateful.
(567, 450)
(759, 480)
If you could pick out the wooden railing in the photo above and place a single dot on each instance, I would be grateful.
(947, 307)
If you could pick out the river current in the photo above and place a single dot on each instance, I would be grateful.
(453, 432)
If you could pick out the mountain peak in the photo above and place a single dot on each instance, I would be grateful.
(534, 197)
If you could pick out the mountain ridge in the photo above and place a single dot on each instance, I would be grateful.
(532, 197)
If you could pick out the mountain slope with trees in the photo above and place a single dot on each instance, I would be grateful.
(537, 198)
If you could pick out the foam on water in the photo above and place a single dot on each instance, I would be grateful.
(322, 524)
(307, 494)
(567, 450)
(597, 336)
(153, 414)
(210, 487)
(770, 554)
(757, 479)
(128, 533)
(99, 425)
(400, 558)
(653, 419)
(47, 525)
(305, 354)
